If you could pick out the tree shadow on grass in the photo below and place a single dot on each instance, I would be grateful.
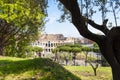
(48, 69)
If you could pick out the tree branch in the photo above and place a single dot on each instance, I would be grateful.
(79, 21)
(10, 31)
(102, 28)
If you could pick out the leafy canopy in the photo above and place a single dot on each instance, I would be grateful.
(26, 19)
(89, 8)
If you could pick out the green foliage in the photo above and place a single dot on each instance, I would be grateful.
(55, 50)
(87, 49)
(89, 8)
(70, 48)
(95, 45)
(26, 69)
(24, 20)
(65, 48)
(76, 49)
(96, 48)
(39, 49)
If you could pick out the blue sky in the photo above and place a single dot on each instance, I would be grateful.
(66, 28)
(54, 27)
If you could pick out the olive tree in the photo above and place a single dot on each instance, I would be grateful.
(109, 43)
(75, 50)
(86, 50)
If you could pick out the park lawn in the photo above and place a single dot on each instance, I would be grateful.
(86, 73)
(26, 69)
(12, 68)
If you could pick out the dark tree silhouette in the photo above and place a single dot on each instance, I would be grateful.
(109, 43)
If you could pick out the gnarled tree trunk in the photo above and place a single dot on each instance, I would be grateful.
(1, 51)
(109, 43)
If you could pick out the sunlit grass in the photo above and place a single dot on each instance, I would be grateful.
(11, 58)
(86, 73)
(12, 68)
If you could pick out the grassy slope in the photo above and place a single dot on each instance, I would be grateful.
(86, 73)
(26, 69)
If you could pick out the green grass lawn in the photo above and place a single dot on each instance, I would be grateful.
(86, 73)
(44, 69)
(26, 69)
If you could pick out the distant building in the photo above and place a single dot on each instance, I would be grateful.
(51, 41)
(86, 41)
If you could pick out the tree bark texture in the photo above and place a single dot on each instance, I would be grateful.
(86, 58)
(94, 67)
(109, 43)
(1, 50)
